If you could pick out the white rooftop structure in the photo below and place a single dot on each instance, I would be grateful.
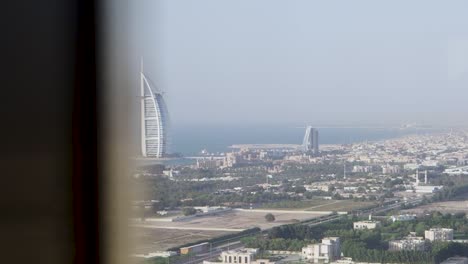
(368, 224)
(457, 171)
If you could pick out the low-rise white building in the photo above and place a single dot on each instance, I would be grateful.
(328, 250)
(239, 256)
(439, 234)
(361, 169)
(368, 224)
(457, 171)
(425, 189)
(391, 169)
(350, 188)
(405, 217)
(318, 187)
(411, 166)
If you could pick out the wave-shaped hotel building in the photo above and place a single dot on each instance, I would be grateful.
(154, 120)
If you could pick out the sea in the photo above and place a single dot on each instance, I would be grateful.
(191, 139)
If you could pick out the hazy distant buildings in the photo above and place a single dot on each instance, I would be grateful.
(311, 140)
(426, 189)
(391, 169)
(362, 169)
(209, 163)
(411, 166)
(231, 159)
(457, 171)
(153, 120)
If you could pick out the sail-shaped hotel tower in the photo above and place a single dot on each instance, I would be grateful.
(154, 120)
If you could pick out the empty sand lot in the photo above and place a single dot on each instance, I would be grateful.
(149, 240)
(235, 220)
(154, 236)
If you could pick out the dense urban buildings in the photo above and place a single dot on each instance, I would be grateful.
(153, 120)
(397, 181)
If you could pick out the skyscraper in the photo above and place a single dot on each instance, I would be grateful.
(153, 119)
(311, 140)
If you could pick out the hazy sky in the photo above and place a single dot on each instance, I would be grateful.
(292, 61)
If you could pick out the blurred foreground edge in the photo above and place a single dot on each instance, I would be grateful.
(63, 158)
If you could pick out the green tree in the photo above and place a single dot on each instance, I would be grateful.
(420, 228)
(269, 217)
(189, 211)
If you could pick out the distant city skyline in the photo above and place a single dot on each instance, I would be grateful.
(275, 62)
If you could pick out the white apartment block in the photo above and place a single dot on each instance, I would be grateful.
(407, 243)
(439, 234)
(328, 250)
(366, 224)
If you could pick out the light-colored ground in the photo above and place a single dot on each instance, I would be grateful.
(154, 236)
(233, 220)
(443, 207)
(152, 240)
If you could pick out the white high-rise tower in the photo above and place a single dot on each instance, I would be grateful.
(153, 118)
(310, 142)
